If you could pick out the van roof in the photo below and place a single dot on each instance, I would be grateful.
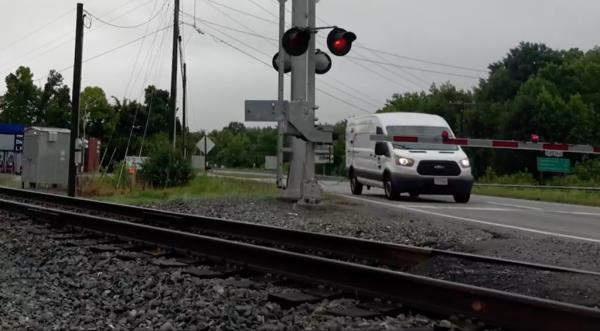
(405, 118)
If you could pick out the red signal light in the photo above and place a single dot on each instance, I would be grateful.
(339, 41)
(535, 138)
(295, 41)
(445, 135)
(340, 44)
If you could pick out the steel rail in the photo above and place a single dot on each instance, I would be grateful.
(497, 308)
(397, 256)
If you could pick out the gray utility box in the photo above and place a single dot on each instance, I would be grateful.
(45, 157)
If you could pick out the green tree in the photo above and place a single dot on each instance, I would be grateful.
(20, 102)
(97, 115)
(55, 104)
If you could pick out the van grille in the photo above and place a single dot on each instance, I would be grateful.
(438, 168)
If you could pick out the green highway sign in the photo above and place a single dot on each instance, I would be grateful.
(552, 164)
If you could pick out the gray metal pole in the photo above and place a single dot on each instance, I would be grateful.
(280, 91)
(294, 186)
(173, 100)
(184, 109)
(312, 195)
(75, 101)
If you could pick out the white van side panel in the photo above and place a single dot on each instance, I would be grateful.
(360, 149)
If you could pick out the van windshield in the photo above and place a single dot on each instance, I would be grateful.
(420, 131)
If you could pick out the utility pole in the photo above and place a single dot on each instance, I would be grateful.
(280, 91)
(173, 100)
(72, 182)
(184, 109)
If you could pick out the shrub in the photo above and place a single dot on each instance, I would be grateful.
(520, 178)
(166, 168)
(120, 176)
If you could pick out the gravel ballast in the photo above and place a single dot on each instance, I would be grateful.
(46, 284)
(356, 219)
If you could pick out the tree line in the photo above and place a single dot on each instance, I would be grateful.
(533, 89)
(124, 126)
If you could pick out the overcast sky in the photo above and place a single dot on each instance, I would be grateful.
(465, 33)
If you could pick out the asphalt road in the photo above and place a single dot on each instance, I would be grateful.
(544, 218)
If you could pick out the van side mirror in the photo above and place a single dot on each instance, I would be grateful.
(381, 149)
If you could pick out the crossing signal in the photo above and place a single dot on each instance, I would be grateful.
(339, 41)
(295, 41)
(287, 64)
(322, 62)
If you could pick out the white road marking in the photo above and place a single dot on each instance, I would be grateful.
(471, 220)
(513, 205)
(423, 206)
(478, 208)
(576, 213)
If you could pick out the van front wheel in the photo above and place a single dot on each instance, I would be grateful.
(391, 193)
(462, 197)
(355, 186)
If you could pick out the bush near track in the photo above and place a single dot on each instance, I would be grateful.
(199, 187)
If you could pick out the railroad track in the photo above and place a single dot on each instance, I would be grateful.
(363, 267)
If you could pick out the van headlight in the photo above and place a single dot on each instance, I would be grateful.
(405, 162)
(465, 163)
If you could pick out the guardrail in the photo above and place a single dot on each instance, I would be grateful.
(543, 187)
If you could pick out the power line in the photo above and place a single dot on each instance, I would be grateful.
(372, 71)
(358, 64)
(365, 101)
(32, 33)
(412, 68)
(269, 65)
(128, 26)
(137, 56)
(237, 40)
(144, 4)
(275, 40)
(241, 12)
(263, 8)
(232, 18)
(421, 60)
(62, 41)
(375, 50)
(111, 50)
(257, 35)
(344, 101)
(365, 95)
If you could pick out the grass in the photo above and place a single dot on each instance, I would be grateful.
(199, 187)
(10, 180)
(586, 198)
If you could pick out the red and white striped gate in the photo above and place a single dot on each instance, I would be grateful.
(492, 143)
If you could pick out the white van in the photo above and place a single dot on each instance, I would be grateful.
(405, 167)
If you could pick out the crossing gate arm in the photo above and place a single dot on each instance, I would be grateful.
(491, 143)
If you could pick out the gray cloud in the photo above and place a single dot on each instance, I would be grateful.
(470, 33)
